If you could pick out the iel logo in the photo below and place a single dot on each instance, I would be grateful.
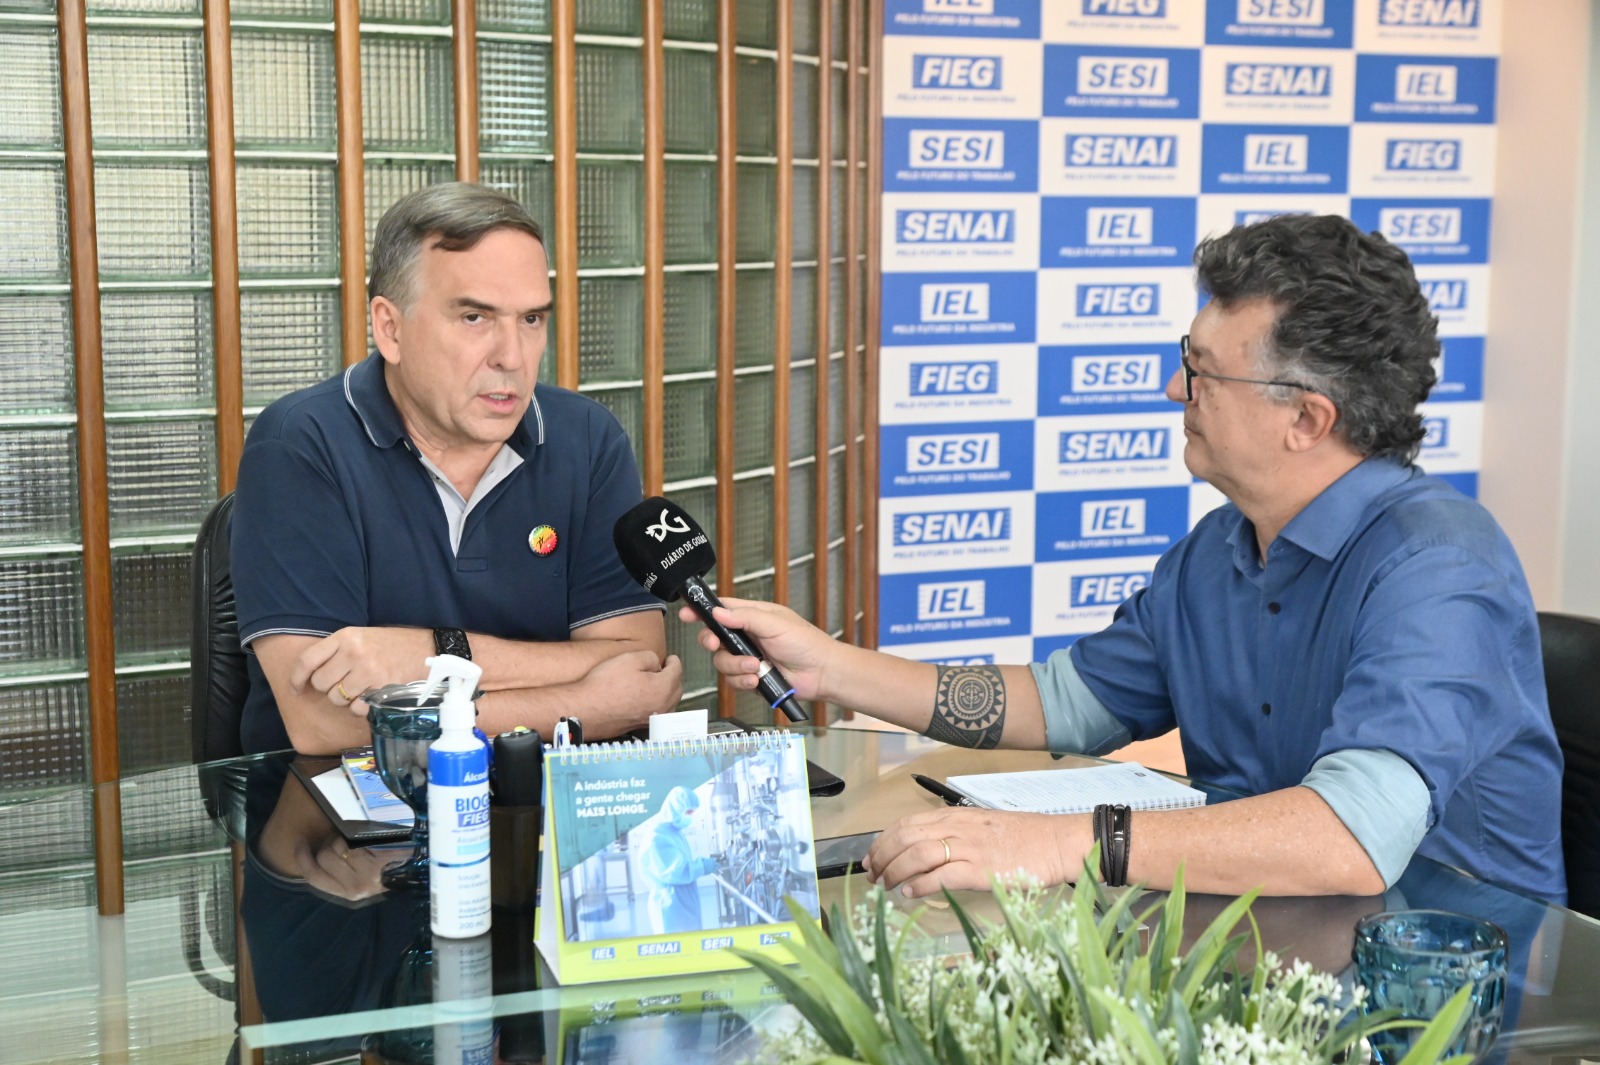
(543, 540)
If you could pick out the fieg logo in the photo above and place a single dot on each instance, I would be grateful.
(1086, 446)
(1421, 225)
(1415, 83)
(980, 378)
(950, 452)
(1277, 153)
(962, 149)
(956, 227)
(1116, 373)
(1120, 226)
(958, 7)
(1125, 8)
(1435, 432)
(980, 72)
(1113, 517)
(982, 525)
(1106, 589)
(955, 303)
(1445, 294)
(1461, 14)
(1122, 151)
(946, 600)
(1118, 301)
(1430, 155)
(1122, 76)
(1280, 12)
(1279, 79)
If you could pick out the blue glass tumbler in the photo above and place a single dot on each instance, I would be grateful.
(1416, 960)
(404, 724)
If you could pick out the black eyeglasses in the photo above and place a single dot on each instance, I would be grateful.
(1190, 373)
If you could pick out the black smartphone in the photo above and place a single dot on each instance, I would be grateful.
(843, 854)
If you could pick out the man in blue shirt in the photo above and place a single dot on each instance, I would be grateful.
(1348, 642)
(427, 501)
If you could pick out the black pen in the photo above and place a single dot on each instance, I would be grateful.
(950, 795)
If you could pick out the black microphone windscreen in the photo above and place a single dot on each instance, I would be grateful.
(662, 547)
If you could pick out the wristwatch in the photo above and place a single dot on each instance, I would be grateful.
(451, 642)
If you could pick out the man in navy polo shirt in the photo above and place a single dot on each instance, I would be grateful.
(1349, 642)
(427, 501)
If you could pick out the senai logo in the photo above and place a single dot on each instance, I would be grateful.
(1457, 13)
(1085, 446)
(1279, 79)
(1123, 151)
(955, 227)
(952, 526)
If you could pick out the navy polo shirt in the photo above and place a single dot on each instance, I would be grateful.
(1393, 615)
(337, 522)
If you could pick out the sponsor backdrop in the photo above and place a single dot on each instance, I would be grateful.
(1048, 168)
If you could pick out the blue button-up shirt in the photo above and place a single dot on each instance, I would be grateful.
(1391, 615)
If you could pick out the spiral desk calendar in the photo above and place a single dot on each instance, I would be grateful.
(661, 856)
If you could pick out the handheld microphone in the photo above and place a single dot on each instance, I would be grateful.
(667, 552)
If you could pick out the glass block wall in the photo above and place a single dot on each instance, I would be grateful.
(153, 216)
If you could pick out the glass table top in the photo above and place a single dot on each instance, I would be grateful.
(220, 956)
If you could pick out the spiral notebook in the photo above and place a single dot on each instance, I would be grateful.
(1078, 791)
(659, 857)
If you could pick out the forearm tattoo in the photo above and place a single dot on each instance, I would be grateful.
(969, 707)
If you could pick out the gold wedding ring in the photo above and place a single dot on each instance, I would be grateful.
(344, 694)
(346, 856)
(946, 844)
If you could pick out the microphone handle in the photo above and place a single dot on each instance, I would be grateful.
(772, 685)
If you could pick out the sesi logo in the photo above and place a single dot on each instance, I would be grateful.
(1117, 76)
(1421, 225)
(1113, 517)
(950, 599)
(1106, 589)
(1435, 155)
(1278, 79)
(955, 378)
(1438, 13)
(1116, 373)
(1280, 12)
(1129, 151)
(952, 526)
(956, 72)
(955, 227)
(956, 451)
(955, 303)
(1277, 153)
(1125, 8)
(958, 149)
(1118, 301)
(1113, 445)
(1415, 83)
(1445, 294)
(1120, 226)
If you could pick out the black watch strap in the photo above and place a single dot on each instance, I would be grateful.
(451, 642)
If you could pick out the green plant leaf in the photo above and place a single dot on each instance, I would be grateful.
(974, 936)
(1211, 950)
(1175, 1018)
(817, 1012)
(1130, 1028)
(1430, 1046)
(857, 1016)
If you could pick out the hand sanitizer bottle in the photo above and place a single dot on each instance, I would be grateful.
(458, 806)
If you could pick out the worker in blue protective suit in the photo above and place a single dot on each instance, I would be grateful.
(670, 866)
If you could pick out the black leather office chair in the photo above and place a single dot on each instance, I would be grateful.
(217, 678)
(1572, 678)
(217, 686)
